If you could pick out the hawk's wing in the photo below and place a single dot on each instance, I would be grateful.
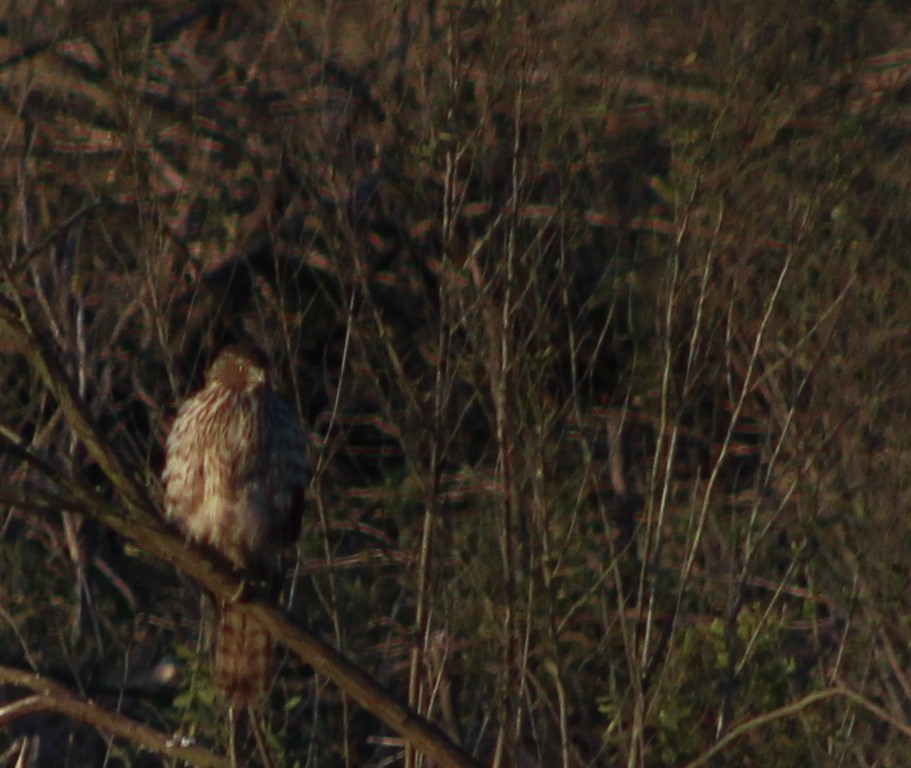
(289, 469)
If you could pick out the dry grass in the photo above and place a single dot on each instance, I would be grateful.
(597, 314)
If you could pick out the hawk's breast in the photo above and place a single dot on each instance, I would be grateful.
(217, 475)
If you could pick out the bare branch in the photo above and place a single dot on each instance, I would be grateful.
(52, 697)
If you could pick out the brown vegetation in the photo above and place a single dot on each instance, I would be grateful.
(597, 314)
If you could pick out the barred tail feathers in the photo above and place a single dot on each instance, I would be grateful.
(243, 651)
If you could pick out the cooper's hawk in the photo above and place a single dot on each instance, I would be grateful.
(234, 477)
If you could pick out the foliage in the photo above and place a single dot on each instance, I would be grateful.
(598, 317)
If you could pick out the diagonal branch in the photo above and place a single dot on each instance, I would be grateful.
(145, 527)
(16, 321)
(50, 696)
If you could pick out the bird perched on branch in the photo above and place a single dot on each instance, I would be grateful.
(235, 475)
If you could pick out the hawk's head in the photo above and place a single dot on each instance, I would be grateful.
(239, 368)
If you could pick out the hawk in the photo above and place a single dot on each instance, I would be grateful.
(235, 474)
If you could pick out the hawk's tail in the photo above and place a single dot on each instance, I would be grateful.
(243, 650)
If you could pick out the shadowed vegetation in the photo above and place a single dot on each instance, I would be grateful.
(597, 314)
